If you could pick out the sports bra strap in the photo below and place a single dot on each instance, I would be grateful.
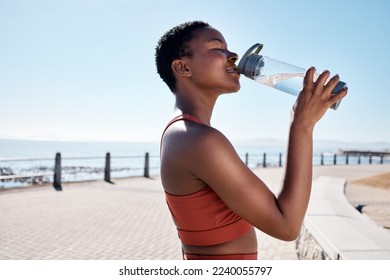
(186, 117)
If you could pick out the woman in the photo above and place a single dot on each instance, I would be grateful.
(214, 198)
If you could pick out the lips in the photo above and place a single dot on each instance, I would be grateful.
(232, 70)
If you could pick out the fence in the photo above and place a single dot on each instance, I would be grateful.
(265, 160)
(145, 164)
(56, 172)
(107, 168)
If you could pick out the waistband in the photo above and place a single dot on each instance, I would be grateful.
(252, 256)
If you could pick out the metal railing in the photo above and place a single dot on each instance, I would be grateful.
(278, 159)
(143, 165)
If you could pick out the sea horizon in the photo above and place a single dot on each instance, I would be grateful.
(378, 145)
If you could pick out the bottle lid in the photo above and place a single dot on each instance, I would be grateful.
(249, 61)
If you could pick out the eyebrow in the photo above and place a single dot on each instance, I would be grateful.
(216, 39)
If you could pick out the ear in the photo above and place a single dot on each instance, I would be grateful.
(179, 67)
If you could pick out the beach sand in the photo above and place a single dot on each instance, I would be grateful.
(381, 181)
(372, 196)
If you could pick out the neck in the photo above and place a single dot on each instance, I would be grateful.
(198, 106)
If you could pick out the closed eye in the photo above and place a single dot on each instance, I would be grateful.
(219, 49)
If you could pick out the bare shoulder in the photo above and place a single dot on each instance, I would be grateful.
(185, 146)
(188, 137)
(202, 153)
(200, 143)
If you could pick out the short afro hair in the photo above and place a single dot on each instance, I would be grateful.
(173, 45)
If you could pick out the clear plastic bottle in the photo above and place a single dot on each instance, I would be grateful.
(276, 74)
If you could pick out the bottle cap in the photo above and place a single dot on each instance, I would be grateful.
(340, 85)
(249, 61)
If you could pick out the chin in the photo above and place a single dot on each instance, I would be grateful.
(238, 87)
(231, 89)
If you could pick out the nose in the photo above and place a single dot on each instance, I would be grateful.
(233, 57)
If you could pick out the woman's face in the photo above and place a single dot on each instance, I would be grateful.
(211, 64)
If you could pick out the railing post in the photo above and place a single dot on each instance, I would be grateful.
(57, 173)
(264, 160)
(107, 169)
(280, 159)
(146, 169)
(246, 159)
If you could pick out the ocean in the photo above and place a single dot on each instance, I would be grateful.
(82, 161)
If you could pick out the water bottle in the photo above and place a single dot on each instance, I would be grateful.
(277, 74)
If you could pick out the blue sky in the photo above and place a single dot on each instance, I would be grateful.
(84, 70)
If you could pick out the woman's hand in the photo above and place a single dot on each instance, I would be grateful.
(316, 97)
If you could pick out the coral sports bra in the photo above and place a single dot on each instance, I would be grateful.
(202, 218)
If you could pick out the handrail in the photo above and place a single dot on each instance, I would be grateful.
(58, 169)
(65, 158)
(254, 160)
(29, 175)
(23, 159)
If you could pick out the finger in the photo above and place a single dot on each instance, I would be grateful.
(332, 83)
(337, 97)
(308, 79)
(323, 78)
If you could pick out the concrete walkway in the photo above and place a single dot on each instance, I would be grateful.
(125, 220)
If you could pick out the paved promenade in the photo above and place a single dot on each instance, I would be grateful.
(125, 220)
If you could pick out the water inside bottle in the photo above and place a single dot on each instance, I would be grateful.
(292, 83)
(288, 82)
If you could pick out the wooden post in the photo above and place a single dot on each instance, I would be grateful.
(322, 159)
(347, 159)
(280, 159)
(264, 160)
(382, 156)
(57, 173)
(370, 158)
(107, 169)
(334, 159)
(359, 160)
(246, 159)
(146, 169)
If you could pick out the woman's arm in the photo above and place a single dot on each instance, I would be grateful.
(244, 192)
